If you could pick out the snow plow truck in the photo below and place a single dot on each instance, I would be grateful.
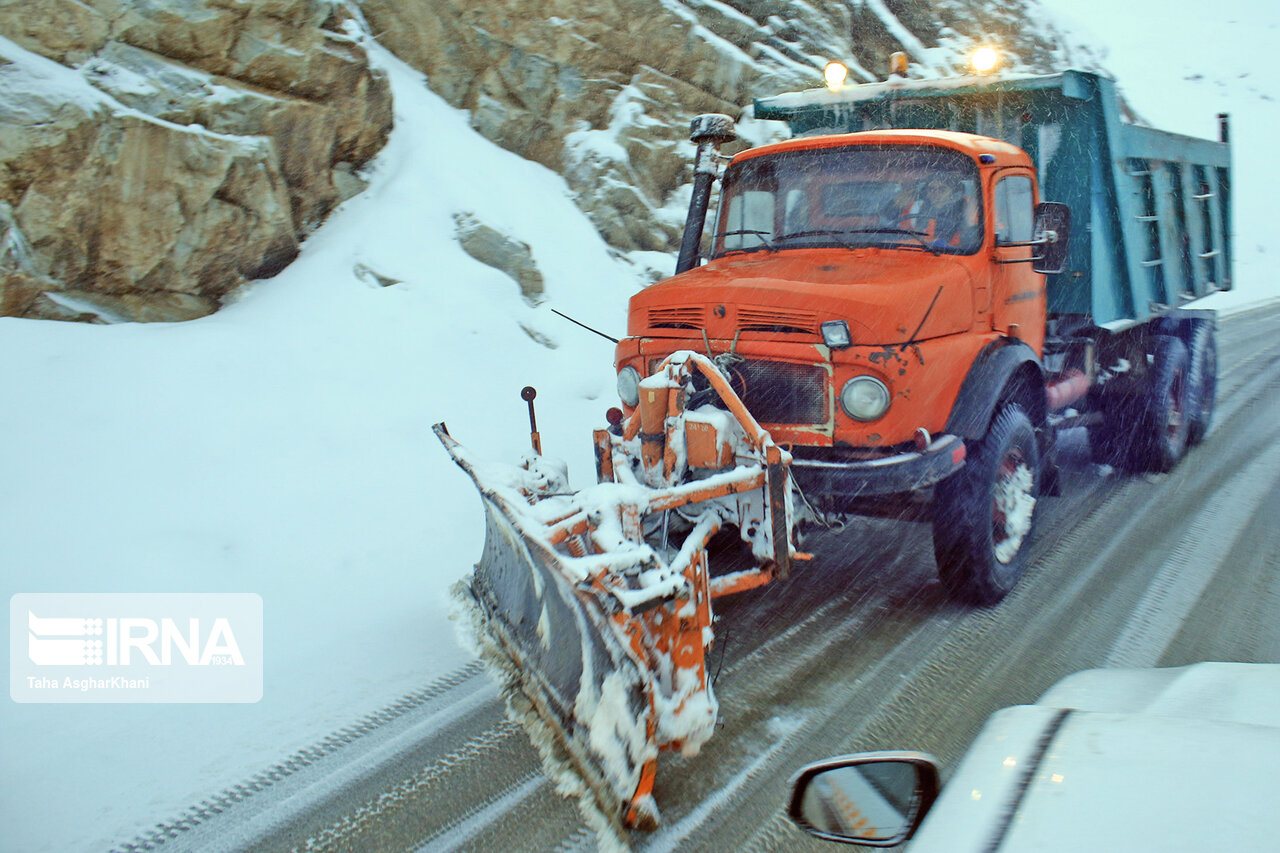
(888, 317)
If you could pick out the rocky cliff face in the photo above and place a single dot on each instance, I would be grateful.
(603, 91)
(155, 154)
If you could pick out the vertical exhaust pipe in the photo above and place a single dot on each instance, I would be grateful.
(708, 132)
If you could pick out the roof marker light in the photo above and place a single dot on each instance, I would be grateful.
(984, 60)
(835, 74)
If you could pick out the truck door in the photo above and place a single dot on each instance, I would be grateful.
(1018, 294)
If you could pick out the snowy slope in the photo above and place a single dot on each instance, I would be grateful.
(283, 446)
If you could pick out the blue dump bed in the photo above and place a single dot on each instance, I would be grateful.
(1151, 211)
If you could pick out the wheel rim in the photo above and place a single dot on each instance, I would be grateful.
(1012, 504)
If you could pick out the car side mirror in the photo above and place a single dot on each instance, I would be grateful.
(1052, 229)
(872, 799)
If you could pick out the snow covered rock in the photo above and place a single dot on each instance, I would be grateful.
(155, 154)
(502, 252)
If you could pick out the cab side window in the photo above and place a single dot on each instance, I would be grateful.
(1014, 209)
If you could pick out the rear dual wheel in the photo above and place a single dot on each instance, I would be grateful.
(1151, 431)
(984, 514)
(1202, 382)
(1162, 437)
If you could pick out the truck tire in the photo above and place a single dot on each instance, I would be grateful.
(1161, 440)
(983, 515)
(1202, 382)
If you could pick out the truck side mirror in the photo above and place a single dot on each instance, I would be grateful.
(873, 799)
(1051, 229)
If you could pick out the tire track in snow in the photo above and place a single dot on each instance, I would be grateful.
(454, 834)
(334, 836)
(165, 831)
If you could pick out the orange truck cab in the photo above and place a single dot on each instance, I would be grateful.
(905, 316)
(848, 330)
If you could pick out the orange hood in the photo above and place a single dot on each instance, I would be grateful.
(884, 296)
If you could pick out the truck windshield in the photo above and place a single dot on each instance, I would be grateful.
(895, 196)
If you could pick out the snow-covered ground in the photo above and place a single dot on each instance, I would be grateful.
(283, 446)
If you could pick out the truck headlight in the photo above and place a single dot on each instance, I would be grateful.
(629, 386)
(864, 398)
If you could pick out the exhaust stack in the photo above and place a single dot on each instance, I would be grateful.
(708, 132)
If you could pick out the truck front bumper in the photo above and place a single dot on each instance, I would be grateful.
(884, 475)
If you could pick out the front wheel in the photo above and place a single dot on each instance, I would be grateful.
(983, 515)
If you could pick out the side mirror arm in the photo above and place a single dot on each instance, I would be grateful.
(1052, 230)
(1048, 238)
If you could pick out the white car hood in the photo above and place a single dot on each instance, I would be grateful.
(1122, 760)
(1229, 692)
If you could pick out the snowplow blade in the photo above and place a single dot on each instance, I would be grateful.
(554, 642)
(552, 629)
(566, 655)
(594, 606)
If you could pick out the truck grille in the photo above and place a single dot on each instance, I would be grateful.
(776, 320)
(684, 317)
(748, 319)
(777, 392)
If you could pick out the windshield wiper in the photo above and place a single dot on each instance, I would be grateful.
(919, 235)
(760, 235)
(812, 232)
(820, 232)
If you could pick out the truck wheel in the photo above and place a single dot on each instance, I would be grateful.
(1162, 436)
(983, 514)
(1202, 382)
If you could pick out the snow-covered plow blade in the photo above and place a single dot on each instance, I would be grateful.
(597, 603)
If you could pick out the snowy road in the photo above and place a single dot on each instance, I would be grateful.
(860, 650)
